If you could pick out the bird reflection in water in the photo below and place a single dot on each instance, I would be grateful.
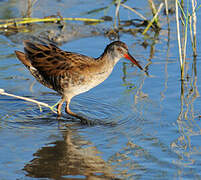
(70, 158)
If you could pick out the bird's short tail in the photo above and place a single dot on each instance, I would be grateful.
(22, 57)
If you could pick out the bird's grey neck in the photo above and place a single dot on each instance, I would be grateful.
(110, 57)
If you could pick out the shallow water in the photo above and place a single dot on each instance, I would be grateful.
(141, 127)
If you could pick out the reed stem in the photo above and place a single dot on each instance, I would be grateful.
(154, 11)
(194, 4)
(153, 19)
(178, 38)
(166, 8)
(117, 14)
(185, 34)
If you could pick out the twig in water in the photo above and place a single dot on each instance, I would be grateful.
(2, 92)
(35, 20)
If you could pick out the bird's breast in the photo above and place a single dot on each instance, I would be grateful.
(86, 80)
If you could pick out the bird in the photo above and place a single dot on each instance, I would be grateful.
(70, 73)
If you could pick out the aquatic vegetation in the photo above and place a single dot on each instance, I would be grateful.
(187, 18)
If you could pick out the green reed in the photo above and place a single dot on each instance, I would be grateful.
(187, 18)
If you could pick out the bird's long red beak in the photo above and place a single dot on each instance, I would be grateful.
(128, 56)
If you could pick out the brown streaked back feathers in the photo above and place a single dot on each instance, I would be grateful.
(49, 59)
(52, 66)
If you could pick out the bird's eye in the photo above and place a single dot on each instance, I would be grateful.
(120, 50)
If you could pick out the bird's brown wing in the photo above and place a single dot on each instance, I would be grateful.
(55, 66)
(49, 59)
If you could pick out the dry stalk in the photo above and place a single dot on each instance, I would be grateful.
(153, 7)
(166, 8)
(154, 11)
(167, 14)
(29, 7)
(20, 21)
(153, 19)
(178, 38)
(194, 5)
(117, 14)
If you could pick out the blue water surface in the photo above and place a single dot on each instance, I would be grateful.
(142, 126)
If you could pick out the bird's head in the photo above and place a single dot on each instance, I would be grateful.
(118, 50)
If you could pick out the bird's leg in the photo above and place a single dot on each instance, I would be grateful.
(83, 119)
(60, 105)
(67, 109)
